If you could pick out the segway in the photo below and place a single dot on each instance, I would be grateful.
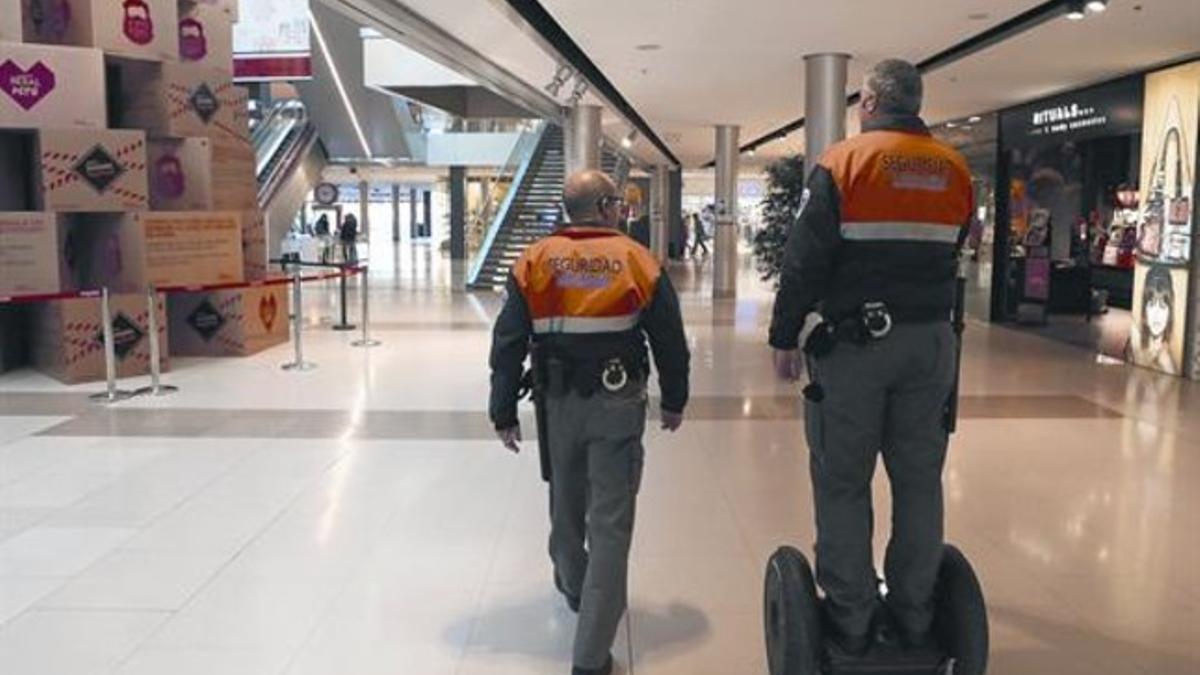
(794, 616)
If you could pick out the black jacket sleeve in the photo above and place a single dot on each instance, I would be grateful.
(662, 321)
(510, 346)
(808, 260)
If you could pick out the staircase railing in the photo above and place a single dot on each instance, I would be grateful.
(519, 162)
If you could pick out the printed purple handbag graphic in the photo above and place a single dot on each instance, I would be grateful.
(26, 87)
(139, 25)
(169, 181)
(193, 44)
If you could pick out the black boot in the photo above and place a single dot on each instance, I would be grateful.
(605, 669)
(572, 600)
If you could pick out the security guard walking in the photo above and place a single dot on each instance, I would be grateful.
(874, 251)
(585, 299)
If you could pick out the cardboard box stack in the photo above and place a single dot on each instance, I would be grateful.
(125, 161)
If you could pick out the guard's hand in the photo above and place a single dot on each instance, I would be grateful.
(671, 421)
(511, 438)
(789, 364)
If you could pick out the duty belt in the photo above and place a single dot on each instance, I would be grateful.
(873, 322)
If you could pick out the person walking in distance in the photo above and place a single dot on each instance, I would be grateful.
(875, 251)
(348, 235)
(585, 300)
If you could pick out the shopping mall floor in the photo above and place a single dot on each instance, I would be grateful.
(360, 518)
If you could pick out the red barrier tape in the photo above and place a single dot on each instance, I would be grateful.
(277, 281)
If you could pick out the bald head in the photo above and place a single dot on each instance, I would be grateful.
(591, 196)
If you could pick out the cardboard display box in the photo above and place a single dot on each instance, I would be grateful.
(227, 7)
(44, 86)
(92, 171)
(68, 337)
(206, 36)
(255, 252)
(237, 322)
(166, 249)
(181, 174)
(135, 29)
(37, 254)
(181, 100)
(234, 175)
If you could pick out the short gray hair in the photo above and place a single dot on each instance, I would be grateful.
(897, 85)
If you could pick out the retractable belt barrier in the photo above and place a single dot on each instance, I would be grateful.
(113, 394)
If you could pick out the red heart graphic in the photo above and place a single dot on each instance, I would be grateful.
(268, 309)
(26, 87)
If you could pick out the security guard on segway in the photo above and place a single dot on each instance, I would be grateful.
(874, 251)
(586, 299)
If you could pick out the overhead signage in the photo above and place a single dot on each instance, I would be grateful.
(271, 41)
(1113, 109)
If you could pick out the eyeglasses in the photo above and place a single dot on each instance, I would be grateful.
(609, 201)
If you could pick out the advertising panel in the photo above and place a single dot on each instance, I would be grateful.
(1162, 286)
(271, 41)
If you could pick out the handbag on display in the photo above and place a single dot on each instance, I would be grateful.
(1168, 217)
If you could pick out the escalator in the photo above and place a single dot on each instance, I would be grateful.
(289, 158)
(533, 206)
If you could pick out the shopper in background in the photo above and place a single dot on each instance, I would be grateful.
(586, 299)
(685, 234)
(874, 250)
(324, 240)
(348, 236)
(703, 225)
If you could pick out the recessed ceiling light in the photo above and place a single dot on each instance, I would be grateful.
(951, 125)
(1075, 11)
(649, 47)
(1097, 5)
(975, 119)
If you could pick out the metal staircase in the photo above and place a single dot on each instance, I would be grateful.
(532, 209)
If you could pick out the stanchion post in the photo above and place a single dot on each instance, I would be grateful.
(345, 324)
(110, 394)
(298, 325)
(365, 318)
(156, 388)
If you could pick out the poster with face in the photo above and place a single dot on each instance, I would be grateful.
(1163, 282)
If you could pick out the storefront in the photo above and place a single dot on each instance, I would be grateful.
(1095, 200)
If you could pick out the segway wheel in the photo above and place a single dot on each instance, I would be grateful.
(961, 623)
(792, 615)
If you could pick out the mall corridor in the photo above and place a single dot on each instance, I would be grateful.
(361, 518)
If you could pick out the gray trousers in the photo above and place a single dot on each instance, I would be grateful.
(596, 458)
(884, 397)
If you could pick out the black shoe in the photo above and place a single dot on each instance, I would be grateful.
(605, 669)
(855, 646)
(917, 641)
(572, 600)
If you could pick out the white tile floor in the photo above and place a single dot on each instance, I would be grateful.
(272, 556)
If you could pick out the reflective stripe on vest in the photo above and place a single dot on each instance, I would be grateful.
(581, 325)
(934, 233)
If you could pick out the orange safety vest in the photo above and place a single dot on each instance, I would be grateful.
(586, 280)
(898, 186)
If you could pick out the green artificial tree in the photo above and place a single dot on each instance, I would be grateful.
(785, 191)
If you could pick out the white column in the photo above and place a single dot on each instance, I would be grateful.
(583, 138)
(660, 187)
(824, 104)
(725, 253)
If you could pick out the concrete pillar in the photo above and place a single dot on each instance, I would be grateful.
(675, 212)
(364, 210)
(583, 138)
(396, 212)
(427, 213)
(824, 103)
(725, 253)
(458, 213)
(660, 187)
(412, 213)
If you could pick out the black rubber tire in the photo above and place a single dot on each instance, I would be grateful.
(961, 622)
(791, 615)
